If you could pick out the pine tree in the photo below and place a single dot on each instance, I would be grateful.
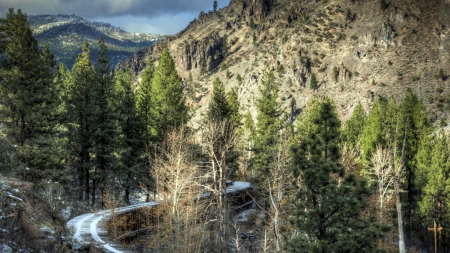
(28, 96)
(104, 122)
(132, 128)
(218, 106)
(225, 46)
(215, 6)
(313, 82)
(354, 126)
(267, 127)
(144, 99)
(79, 114)
(168, 108)
(328, 203)
(233, 105)
(372, 133)
(203, 66)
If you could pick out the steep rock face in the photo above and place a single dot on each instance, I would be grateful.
(358, 50)
(191, 52)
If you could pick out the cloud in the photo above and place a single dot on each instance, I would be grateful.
(163, 24)
(109, 8)
(142, 16)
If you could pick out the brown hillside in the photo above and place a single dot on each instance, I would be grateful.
(359, 50)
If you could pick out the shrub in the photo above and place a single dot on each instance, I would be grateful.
(239, 79)
(313, 82)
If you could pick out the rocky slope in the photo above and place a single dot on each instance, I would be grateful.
(26, 223)
(358, 50)
(65, 35)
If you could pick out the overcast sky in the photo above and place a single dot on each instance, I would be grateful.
(140, 16)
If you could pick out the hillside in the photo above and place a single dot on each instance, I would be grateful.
(358, 49)
(65, 35)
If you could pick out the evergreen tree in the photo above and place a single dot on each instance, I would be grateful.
(233, 105)
(104, 122)
(144, 99)
(79, 116)
(218, 106)
(215, 6)
(132, 127)
(168, 108)
(313, 82)
(354, 126)
(328, 203)
(225, 46)
(267, 127)
(28, 96)
(372, 133)
(203, 67)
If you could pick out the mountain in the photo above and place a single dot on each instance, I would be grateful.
(65, 35)
(357, 49)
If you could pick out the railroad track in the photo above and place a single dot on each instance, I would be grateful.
(88, 230)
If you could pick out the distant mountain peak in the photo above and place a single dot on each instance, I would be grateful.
(65, 34)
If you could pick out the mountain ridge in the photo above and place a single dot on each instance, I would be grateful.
(358, 50)
(65, 34)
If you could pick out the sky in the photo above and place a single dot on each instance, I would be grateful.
(138, 16)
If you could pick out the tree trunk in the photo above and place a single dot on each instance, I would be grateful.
(401, 237)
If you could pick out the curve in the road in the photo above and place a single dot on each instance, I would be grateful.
(87, 229)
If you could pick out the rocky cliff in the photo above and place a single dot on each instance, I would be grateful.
(358, 49)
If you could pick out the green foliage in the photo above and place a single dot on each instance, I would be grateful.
(79, 115)
(372, 134)
(28, 96)
(329, 205)
(313, 82)
(228, 74)
(144, 99)
(203, 67)
(233, 105)
(390, 63)
(215, 6)
(223, 67)
(267, 126)
(335, 73)
(440, 75)
(285, 38)
(254, 38)
(442, 123)
(225, 46)
(218, 106)
(251, 24)
(433, 170)
(239, 79)
(354, 126)
(132, 128)
(103, 121)
(168, 109)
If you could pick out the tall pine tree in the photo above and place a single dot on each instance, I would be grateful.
(104, 123)
(329, 205)
(132, 128)
(144, 99)
(28, 97)
(168, 109)
(268, 126)
(79, 117)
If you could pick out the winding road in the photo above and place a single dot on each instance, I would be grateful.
(87, 227)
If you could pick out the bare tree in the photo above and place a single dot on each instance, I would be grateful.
(178, 227)
(383, 172)
(218, 142)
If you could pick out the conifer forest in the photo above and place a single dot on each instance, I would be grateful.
(95, 137)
